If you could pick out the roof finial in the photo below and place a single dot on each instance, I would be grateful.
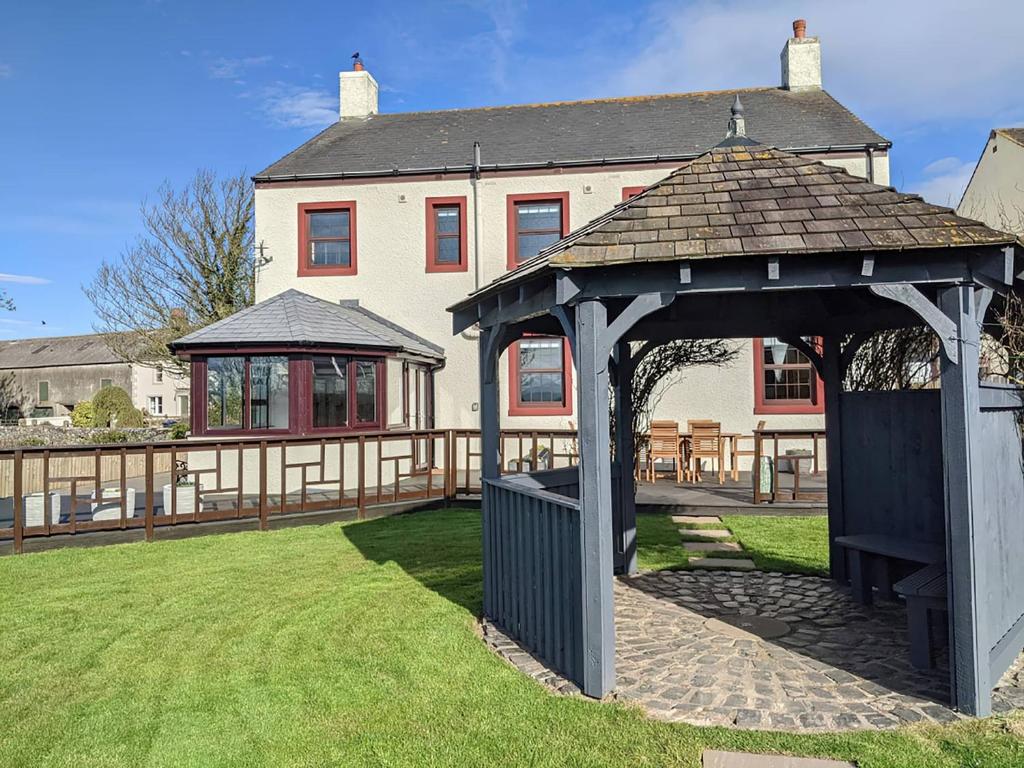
(737, 125)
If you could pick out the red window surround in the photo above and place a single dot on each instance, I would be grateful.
(518, 408)
(432, 263)
(628, 192)
(306, 268)
(511, 240)
(781, 407)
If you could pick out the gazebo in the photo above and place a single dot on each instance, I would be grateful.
(745, 241)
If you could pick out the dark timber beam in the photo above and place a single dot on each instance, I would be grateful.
(490, 437)
(624, 501)
(969, 641)
(809, 351)
(833, 378)
(595, 499)
(912, 298)
(850, 351)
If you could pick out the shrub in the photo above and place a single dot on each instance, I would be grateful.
(178, 430)
(83, 414)
(108, 436)
(114, 405)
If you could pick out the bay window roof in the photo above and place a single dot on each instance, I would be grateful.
(296, 319)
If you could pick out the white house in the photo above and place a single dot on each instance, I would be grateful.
(407, 213)
(995, 193)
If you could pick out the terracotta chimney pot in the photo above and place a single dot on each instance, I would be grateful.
(799, 28)
(358, 66)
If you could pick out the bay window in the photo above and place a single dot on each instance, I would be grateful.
(345, 393)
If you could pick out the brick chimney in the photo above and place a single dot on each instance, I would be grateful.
(358, 91)
(801, 60)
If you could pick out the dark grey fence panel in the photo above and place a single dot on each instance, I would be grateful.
(998, 479)
(892, 464)
(532, 570)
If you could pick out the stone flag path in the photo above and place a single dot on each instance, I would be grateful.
(710, 541)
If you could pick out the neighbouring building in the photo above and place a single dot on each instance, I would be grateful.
(995, 193)
(42, 379)
(408, 213)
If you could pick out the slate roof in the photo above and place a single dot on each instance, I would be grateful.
(743, 198)
(644, 128)
(751, 199)
(1015, 134)
(296, 318)
(89, 349)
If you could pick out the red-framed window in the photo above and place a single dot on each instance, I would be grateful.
(327, 239)
(447, 249)
(346, 393)
(785, 380)
(540, 377)
(628, 192)
(251, 393)
(535, 221)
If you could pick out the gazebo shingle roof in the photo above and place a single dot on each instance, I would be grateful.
(748, 199)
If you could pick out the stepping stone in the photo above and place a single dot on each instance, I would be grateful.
(733, 563)
(712, 546)
(714, 759)
(696, 519)
(706, 534)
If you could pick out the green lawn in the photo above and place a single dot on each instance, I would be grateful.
(791, 544)
(329, 645)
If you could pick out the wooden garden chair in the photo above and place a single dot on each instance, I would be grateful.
(739, 449)
(663, 443)
(706, 443)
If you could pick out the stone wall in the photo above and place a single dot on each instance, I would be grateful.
(43, 435)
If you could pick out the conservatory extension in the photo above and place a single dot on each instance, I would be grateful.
(295, 364)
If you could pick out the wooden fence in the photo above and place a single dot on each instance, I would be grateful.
(68, 490)
(533, 566)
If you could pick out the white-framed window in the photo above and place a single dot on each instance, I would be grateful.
(156, 405)
(158, 375)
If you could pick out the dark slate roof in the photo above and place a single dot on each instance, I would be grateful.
(1015, 134)
(742, 200)
(296, 318)
(90, 349)
(670, 127)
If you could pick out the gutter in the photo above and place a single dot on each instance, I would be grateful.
(593, 162)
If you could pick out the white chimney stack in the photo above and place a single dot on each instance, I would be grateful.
(358, 92)
(801, 60)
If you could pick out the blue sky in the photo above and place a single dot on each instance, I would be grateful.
(101, 102)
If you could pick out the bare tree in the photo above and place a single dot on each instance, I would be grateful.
(6, 302)
(907, 358)
(661, 367)
(192, 267)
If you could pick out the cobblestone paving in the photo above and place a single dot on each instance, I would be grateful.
(841, 665)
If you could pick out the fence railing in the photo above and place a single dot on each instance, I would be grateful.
(67, 490)
(533, 568)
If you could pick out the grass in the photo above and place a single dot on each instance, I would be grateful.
(791, 544)
(343, 645)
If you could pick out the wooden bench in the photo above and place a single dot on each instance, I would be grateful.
(865, 549)
(924, 591)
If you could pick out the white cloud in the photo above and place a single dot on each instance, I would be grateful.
(23, 279)
(918, 60)
(6, 71)
(224, 68)
(292, 106)
(944, 181)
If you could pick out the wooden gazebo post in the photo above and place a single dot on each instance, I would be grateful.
(624, 492)
(595, 498)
